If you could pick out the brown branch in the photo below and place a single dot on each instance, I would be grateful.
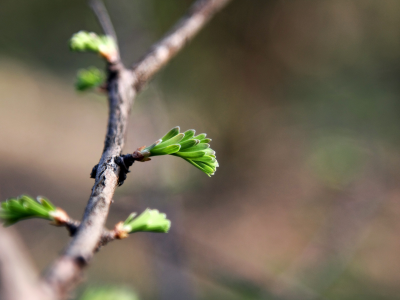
(103, 18)
(122, 86)
(66, 271)
(106, 237)
(186, 28)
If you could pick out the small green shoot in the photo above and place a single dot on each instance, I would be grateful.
(151, 220)
(89, 78)
(84, 41)
(16, 209)
(193, 149)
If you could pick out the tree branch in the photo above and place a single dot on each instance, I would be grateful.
(103, 18)
(66, 271)
(106, 235)
(122, 86)
(186, 28)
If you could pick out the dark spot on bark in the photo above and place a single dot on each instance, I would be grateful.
(81, 261)
(94, 172)
(102, 202)
(124, 162)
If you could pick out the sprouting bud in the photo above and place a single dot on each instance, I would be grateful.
(193, 149)
(150, 220)
(16, 209)
(89, 41)
(84, 41)
(60, 217)
(89, 79)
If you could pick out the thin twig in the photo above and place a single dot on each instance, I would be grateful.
(103, 18)
(122, 86)
(164, 50)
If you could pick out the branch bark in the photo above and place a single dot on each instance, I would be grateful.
(184, 30)
(122, 88)
(106, 235)
(103, 18)
(66, 271)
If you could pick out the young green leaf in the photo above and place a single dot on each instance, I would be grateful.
(205, 141)
(104, 45)
(209, 152)
(46, 203)
(206, 159)
(190, 155)
(166, 150)
(130, 218)
(149, 220)
(173, 132)
(89, 78)
(193, 149)
(151, 146)
(209, 170)
(175, 140)
(188, 144)
(200, 136)
(189, 134)
(24, 207)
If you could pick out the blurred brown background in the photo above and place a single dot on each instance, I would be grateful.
(302, 101)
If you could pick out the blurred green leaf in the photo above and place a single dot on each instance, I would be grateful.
(83, 41)
(150, 220)
(16, 209)
(89, 78)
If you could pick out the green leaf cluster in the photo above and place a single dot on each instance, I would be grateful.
(89, 78)
(89, 41)
(149, 220)
(193, 149)
(24, 207)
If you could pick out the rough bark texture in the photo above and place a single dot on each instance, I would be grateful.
(123, 85)
(66, 270)
(106, 235)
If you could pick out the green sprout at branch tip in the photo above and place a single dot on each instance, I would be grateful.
(89, 78)
(193, 149)
(24, 207)
(151, 220)
(84, 41)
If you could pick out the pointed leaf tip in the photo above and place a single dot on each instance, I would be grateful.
(173, 132)
(200, 136)
(188, 144)
(188, 135)
(174, 140)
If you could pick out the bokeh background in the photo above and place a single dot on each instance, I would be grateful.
(302, 101)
